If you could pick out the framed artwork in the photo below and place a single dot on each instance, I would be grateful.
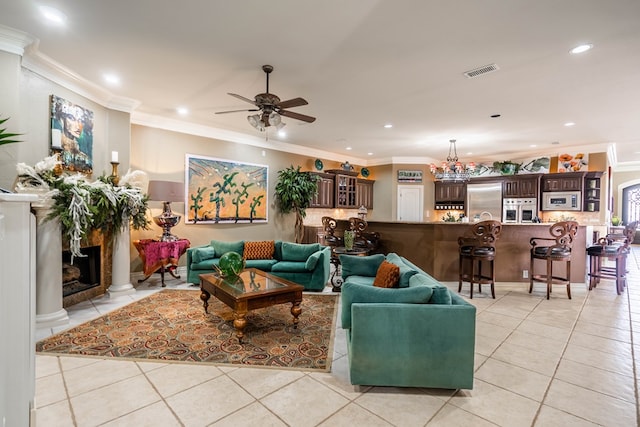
(220, 191)
(573, 162)
(72, 135)
(410, 176)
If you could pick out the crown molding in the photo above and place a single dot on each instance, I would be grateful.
(14, 41)
(180, 126)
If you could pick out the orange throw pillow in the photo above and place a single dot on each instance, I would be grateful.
(388, 275)
(259, 250)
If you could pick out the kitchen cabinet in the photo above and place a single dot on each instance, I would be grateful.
(340, 189)
(345, 191)
(450, 195)
(520, 186)
(591, 198)
(571, 181)
(325, 194)
(364, 193)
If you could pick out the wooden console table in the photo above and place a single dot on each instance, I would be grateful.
(158, 256)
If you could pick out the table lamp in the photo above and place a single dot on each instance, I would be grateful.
(166, 192)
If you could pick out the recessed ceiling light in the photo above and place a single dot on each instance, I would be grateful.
(582, 48)
(388, 126)
(369, 154)
(533, 145)
(282, 134)
(569, 124)
(53, 15)
(348, 148)
(112, 79)
(183, 111)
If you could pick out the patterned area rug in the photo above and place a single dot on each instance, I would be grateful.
(171, 325)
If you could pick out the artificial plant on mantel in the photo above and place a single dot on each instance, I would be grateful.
(82, 206)
(294, 191)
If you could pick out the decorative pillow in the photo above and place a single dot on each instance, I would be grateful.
(360, 265)
(298, 251)
(202, 254)
(441, 294)
(388, 275)
(312, 261)
(259, 250)
(405, 270)
(222, 247)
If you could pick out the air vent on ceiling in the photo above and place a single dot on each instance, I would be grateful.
(481, 70)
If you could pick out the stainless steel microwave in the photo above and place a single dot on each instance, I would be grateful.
(561, 201)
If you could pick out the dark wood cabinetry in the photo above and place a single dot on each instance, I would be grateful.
(345, 190)
(520, 186)
(340, 190)
(591, 198)
(562, 181)
(364, 193)
(324, 196)
(450, 195)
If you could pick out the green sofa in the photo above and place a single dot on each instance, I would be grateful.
(417, 335)
(305, 264)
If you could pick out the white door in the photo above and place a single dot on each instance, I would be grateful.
(410, 203)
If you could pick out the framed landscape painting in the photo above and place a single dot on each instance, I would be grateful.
(220, 191)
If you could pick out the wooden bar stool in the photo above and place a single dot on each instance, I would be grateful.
(562, 234)
(476, 246)
(613, 247)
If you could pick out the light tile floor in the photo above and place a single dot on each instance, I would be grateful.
(538, 363)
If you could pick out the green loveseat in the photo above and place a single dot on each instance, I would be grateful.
(417, 335)
(305, 264)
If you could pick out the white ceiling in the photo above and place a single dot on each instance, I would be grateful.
(362, 64)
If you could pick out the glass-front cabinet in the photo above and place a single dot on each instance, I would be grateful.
(345, 187)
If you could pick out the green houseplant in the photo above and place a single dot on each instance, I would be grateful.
(294, 191)
(7, 137)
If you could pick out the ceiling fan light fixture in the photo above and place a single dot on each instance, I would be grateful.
(255, 121)
(275, 119)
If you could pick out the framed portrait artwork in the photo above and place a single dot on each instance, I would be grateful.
(220, 191)
(72, 135)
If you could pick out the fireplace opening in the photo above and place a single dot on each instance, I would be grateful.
(83, 274)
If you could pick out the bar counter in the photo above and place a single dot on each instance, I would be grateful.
(433, 246)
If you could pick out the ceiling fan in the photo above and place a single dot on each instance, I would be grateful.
(271, 108)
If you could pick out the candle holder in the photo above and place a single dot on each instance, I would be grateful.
(114, 173)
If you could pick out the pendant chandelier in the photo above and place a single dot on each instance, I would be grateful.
(452, 169)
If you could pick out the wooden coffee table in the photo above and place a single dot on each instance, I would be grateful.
(250, 290)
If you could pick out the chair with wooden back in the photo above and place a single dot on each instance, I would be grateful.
(475, 247)
(553, 249)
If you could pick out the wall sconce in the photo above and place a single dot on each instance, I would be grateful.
(166, 192)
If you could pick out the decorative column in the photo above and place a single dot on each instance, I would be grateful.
(121, 267)
(49, 310)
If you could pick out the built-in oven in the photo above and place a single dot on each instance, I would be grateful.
(519, 210)
(561, 201)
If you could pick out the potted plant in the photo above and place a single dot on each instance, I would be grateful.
(294, 191)
(7, 137)
(616, 220)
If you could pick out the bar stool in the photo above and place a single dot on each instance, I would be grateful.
(562, 234)
(613, 247)
(474, 247)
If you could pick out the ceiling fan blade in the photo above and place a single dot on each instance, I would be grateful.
(236, 111)
(250, 101)
(290, 103)
(297, 116)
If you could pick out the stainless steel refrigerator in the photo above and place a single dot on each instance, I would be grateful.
(484, 201)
